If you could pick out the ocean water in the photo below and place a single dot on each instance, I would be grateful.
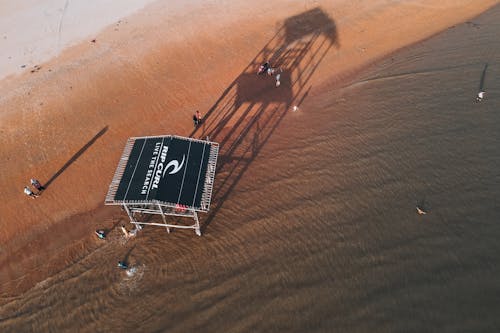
(313, 225)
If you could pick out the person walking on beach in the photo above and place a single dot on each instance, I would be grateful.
(30, 193)
(36, 184)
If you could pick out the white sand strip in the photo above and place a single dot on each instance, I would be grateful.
(33, 31)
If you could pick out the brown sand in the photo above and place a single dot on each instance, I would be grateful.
(66, 124)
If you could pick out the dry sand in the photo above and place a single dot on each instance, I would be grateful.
(33, 31)
(66, 122)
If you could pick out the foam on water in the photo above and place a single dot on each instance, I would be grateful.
(132, 278)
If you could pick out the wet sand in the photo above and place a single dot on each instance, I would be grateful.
(66, 124)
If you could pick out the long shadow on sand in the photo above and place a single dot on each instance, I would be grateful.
(251, 107)
(76, 156)
(483, 76)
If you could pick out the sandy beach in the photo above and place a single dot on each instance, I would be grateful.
(66, 121)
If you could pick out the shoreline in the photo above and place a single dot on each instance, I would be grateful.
(68, 106)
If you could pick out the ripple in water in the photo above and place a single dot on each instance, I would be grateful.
(133, 275)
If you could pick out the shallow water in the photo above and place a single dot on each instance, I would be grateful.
(318, 229)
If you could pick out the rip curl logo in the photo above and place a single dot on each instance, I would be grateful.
(158, 167)
(175, 166)
(162, 168)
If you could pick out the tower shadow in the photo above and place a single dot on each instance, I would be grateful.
(251, 108)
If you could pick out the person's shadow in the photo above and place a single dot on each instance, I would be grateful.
(126, 258)
(75, 156)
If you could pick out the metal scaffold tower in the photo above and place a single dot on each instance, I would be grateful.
(166, 176)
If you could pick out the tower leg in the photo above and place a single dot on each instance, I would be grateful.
(163, 217)
(197, 224)
(129, 213)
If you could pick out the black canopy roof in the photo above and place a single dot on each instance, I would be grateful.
(170, 170)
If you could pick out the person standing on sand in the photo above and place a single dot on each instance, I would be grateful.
(263, 68)
(278, 76)
(36, 184)
(30, 193)
(197, 118)
(127, 233)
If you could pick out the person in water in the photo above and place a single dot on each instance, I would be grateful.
(480, 96)
(420, 211)
(122, 265)
(101, 234)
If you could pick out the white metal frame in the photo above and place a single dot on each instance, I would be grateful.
(163, 210)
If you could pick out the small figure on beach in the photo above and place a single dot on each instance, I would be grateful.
(480, 96)
(101, 234)
(128, 234)
(122, 265)
(30, 193)
(264, 68)
(36, 184)
(125, 231)
(197, 118)
(421, 211)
